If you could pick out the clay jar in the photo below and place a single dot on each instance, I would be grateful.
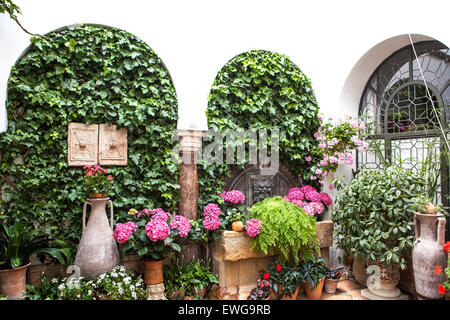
(153, 271)
(13, 282)
(428, 253)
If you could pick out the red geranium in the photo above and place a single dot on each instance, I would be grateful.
(441, 289)
(438, 270)
(447, 246)
(278, 268)
(266, 275)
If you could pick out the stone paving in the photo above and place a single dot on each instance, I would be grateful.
(346, 290)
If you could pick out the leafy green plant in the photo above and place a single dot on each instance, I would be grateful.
(46, 290)
(373, 215)
(332, 273)
(18, 243)
(97, 180)
(313, 271)
(88, 74)
(284, 279)
(286, 228)
(260, 90)
(190, 277)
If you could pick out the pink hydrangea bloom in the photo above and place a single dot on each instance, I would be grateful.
(317, 207)
(325, 198)
(157, 229)
(211, 222)
(299, 203)
(123, 231)
(309, 210)
(182, 224)
(160, 214)
(307, 188)
(295, 195)
(234, 196)
(313, 196)
(253, 227)
(211, 209)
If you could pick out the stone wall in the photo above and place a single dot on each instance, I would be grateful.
(237, 266)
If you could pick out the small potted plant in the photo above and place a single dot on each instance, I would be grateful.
(97, 180)
(261, 292)
(313, 272)
(423, 204)
(153, 234)
(332, 276)
(236, 218)
(198, 279)
(284, 279)
(17, 244)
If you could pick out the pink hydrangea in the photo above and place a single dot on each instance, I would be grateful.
(317, 207)
(309, 209)
(253, 227)
(182, 224)
(211, 209)
(295, 195)
(123, 231)
(313, 196)
(157, 229)
(299, 203)
(325, 198)
(234, 196)
(307, 188)
(211, 222)
(160, 214)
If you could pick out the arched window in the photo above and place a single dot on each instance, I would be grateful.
(404, 124)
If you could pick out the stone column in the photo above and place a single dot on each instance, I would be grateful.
(190, 144)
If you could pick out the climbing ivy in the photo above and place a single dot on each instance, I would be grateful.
(89, 74)
(261, 90)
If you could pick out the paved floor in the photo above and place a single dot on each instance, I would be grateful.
(346, 290)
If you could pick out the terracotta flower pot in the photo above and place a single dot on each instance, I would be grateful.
(13, 282)
(237, 226)
(331, 285)
(316, 293)
(153, 271)
(287, 296)
(98, 195)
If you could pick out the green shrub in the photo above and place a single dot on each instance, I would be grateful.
(88, 74)
(285, 227)
(374, 214)
(261, 90)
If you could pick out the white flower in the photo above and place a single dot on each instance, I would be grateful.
(54, 280)
(133, 294)
(132, 288)
(61, 287)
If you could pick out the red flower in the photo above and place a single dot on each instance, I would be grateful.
(441, 289)
(438, 270)
(447, 246)
(266, 275)
(278, 268)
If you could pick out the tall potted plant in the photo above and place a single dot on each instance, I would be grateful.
(284, 279)
(374, 220)
(153, 234)
(17, 244)
(313, 273)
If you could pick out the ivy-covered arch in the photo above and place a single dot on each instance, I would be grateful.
(261, 90)
(89, 74)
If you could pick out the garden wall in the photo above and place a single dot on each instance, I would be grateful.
(237, 266)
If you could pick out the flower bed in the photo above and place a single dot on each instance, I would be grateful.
(237, 266)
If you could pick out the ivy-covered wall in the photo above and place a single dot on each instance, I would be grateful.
(261, 90)
(89, 74)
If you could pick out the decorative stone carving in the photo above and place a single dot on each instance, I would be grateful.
(82, 142)
(257, 186)
(112, 146)
(156, 292)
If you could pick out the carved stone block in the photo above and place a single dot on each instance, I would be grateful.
(112, 146)
(82, 141)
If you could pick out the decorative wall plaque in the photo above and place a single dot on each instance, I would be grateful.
(82, 142)
(112, 146)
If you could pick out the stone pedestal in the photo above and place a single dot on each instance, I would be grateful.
(156, 292)
(237, 266)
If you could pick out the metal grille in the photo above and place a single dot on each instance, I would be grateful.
(404, 124)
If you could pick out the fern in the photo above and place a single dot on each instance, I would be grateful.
(284, 227)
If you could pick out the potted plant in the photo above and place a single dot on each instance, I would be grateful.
(424, 205)
(153, 234)
(236, 219)
(119, 284)
(373, 219)
(17, 244)
(313, 273)
(285, 228)
(97, 181)
(284, 279)
(332, 276)
(261, 292)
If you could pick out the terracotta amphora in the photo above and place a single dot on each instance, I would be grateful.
(428, 253)
(97, 251)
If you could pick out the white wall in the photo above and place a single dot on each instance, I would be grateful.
(195, 39)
